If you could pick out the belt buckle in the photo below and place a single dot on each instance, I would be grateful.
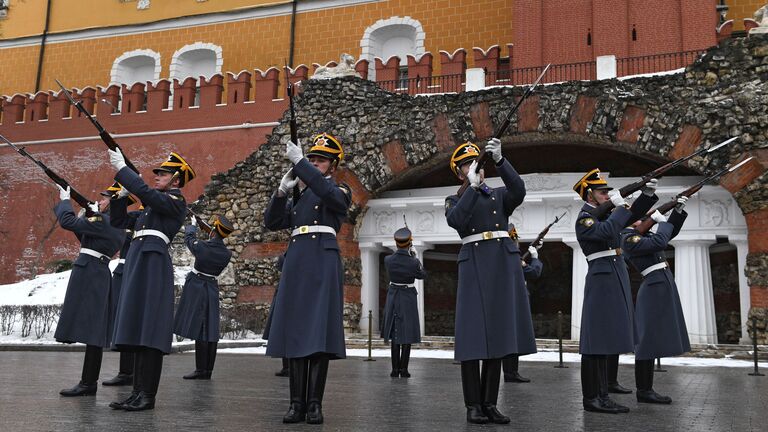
(487, 235)
(618, 251)
(303, 229)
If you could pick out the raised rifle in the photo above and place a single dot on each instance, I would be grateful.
(631, 188)
(540, 238)
(205, 226)
(483, 157)
(292, 126)
(647, 222)
(74, 194)
(105, 136)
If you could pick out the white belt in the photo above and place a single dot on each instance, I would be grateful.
(198, 272)
(601, 254)
(151, 232)
(93, 253)
(306, 229)
(652, 268)
(121, 261)
(487, 235)
(399, 285)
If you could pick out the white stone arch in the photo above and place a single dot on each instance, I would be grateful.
(392, 36)
(195, 60)
(134, 66)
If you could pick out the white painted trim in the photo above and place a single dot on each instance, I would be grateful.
(452, 55)
(175, 64)
(143, 134)
(135, 53)
(367, 41)
(186, 22)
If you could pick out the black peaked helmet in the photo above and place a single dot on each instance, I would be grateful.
(175, 164)
(112, 191)
(403, 238)
(222, 225)
(327, 146)
(590, 181)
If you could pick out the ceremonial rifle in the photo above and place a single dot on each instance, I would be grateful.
(483, 157)
(105, 136)
(74, 194)
(292, 126)
(205, 226)
(647, 222)
(603, 209)
(540, 238)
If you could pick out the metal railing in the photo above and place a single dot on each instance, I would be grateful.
(419, 85)
(557, 73)
(655, 62)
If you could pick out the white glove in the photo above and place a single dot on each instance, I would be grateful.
(94, 207)
(658, 217)
(116, 159)
(293, 152)
(81, 213)
(193, 221)
(616, 198)
(494, 149)
(122, 193)
(63, 193)
(534, 252)
(473, 176)
(650, 187)
(288, 182)
(681, 201)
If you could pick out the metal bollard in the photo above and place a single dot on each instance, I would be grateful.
(754, 346)
(658, 366)
(370, 335)
(560, 339)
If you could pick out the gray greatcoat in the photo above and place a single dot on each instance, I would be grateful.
(607, 312)
(401, 311)
(197, 316)
(493, 317)
(308, 315)
(85, 313)
(659, 322)
(117, 273)
(145, 309)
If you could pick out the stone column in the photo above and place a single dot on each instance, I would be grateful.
(693, 276)
(369, 292)
(420, 247)
(579, 274)
(742, 248)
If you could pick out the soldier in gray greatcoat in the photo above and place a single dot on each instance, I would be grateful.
(659, 321)
(85, 313)
(197, 316)
(144, 318)
(284, 370)
(401, 311)
(493, 317)
(125, 369)
(308, 317)
(607, 312)
(531, 271)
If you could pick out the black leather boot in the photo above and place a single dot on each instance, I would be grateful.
(395, 354)
(590, 386)
(511, 366)
(489, 384)
(90, 374)
(137, 384)
(405, 357)
(644, 378)
(284, 371)
(470, 384)
(612, 362)
(605, 399)
(212, 347)
(125, 374)
(152, 368)
(201, 359)
(318, 373)
(297, 410)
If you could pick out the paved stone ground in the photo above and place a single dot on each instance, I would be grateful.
(244, 395)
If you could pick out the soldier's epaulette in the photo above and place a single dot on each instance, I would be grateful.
(176, 196)
(95, 218)
(449, 202)
(346, 189)
(634, 239)
(586, 219)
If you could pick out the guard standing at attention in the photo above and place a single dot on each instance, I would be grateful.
(308, 318)
(85, 313)
(607, 313)
(401, 312)
(493, 317)
(659, 321)
(531, 271)
(144, 320)
(125, 371)
(197, 316)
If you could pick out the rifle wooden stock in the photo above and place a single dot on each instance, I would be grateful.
(540, 238)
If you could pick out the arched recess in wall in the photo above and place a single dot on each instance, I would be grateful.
(196, 60)
(140, 65)
(398, 36)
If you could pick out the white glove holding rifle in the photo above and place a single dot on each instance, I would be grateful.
(616, 198)
(288, 182)
(650, 187)
(122, 193)
(63, 193)
(293, 152)
(658, 217)
(473, 176)
(494, 149)
(193, 221)
(681, 201)
(117, 159)
(533, 252)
